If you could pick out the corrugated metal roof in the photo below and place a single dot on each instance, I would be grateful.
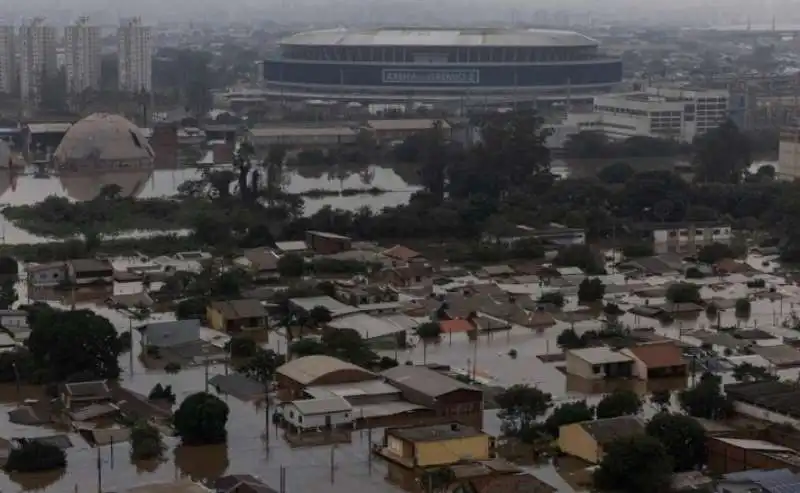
(747, 444)
(600, 355)
(441, 37)
(307, 369)
(424, 380)
(322, 406)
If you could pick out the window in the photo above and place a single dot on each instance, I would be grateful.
(699, 232)
(684, 233)
(673, 234)
(291, 414)
(716, 231)
(595, 369)
(299, 418)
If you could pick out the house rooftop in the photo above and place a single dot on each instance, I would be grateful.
(291, 246)
(307, 369)
(781, 356)
(309, 303)
(327, 405)
(434, 433)
(778, 396)
(658, 354)
(605, 431)
(513, 483)
(240, 309)
(424, 380)
(95, 388)
(600, 355)
(330, 236)
(401, 252)
(262, 258)
(90, 265)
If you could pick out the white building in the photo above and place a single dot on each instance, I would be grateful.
(37, 58)
(8, 60)
(688, 237)
(308, 414)
(135, 46)
(82, 56)
(678, 114)
(789, 154)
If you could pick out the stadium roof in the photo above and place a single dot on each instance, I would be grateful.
(440, 37)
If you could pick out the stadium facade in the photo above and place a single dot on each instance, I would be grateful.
(402, 64)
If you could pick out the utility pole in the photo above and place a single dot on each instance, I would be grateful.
(206, 373)
(282, 483)
(99, 472)
(333, 464)
(130, 332)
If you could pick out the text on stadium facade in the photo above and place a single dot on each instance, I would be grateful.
(430, 76)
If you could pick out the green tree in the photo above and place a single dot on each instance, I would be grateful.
(684, 292)
(307, 347)
(706, 400)
(520, 406)
(434, 155)
(747, 372)
(262, 365)
(721, 155)
(616, 173)
(661, 399)
(742, 308)
(637, 250)
(32, 456)
(318, 316)
(633, 465)
(582, 256)
(291, 265)
(162, 393)
(8, 294)
(713, 253)
(146, 443)
(568, 413)
(201, 420)
(65, 343)
(553, 298)
(429, 331)
(619, 403)
(242, 347)
(683, 438)
(569, 339)
(591, 290)
(9, 267)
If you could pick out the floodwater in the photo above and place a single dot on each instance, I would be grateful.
(25, 189)
(310, 468)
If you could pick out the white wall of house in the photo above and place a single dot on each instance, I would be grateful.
(639, 368)
(14, 321)
(764, 414)
(297, 419)
(48, 277)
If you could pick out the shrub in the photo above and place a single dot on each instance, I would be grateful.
(172, 368)
(35, 456)
(554, 298)
(742, 308)
(694, 273)
(684, 292)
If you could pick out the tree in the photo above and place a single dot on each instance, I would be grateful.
(747, 372)
(619, 403)
(634, 464)
(262, 365)
(291, 265)
(742, 308)
(434, 156)
(9, 267)
(520, 406)
(713, 253)
(661, 399)
(684, 292)
(201, 420)
(8, 294)
(616, 173)
(146, 442)
(683, 438)
(319, 315)
(64, 343)
(569, 339)
(242, 347)
(429, 331)
(162, 393)
(568, 413)
(638, 250)
(721, 155)
(306, 347)
(33, 456)
(581, 256)
(694, 273)
(591, 290)
(555, 298)
(706, 400)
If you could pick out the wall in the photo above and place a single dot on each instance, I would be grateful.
(48, 277)
(298, 420)
(581, 368)
(215, 319)
(452, 451)
(764, 414)
(788, 160)
(724, 458)
(294, 390)
(639, 368)
(574, 440)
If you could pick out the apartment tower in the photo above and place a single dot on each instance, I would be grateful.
(8, 60)
(82, 56)
(37, 58)
(135, 56)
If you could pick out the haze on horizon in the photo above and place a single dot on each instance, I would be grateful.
(412, 12)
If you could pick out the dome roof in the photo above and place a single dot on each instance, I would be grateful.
(84, 187)
(103, 142)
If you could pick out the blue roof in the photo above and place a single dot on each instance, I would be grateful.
(772, 481)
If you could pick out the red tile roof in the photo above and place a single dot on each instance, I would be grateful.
(456, 325)
(401, 252)
(659, 354)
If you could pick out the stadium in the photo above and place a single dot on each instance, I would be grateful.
(432, 65)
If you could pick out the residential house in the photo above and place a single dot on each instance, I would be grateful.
(14, 319)
(318, 414)
(90, 271)
(657, 360)
(726, 455)
(234, 316)
(240, 483)
(555, 235)
(508, 483)
(686, 237)
(305, 305)
(587, 439)
(323, 243)
(310, 136)
(294, 376)
(261, 262)
(81, 394)
(770, 401)
(47, 275)
(376, 331)
(296, 247)
(363, 294)
(402, 255)
(449, 398)
(597, 363)
(409, 451)
(759, 480)
(170, 334)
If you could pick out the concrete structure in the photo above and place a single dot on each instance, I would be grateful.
(82, 56)
(37, 59)
(657, 360)
(439, 64)
(103, 142)
(318, 414)
(305, 137)
(679, 114)
(409, 451)
(760, 480)
(234, 316)
(47, 275)
(587, 439)
(726, 455)
(79, 394)
(135, 51)
(9, 76)
(401, 129)
(596, 363)
(684, 237)
(324, 243)
(789, 154)
(90, 271)
(773, 402)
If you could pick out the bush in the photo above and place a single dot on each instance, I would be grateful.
(742, 308)
(637, 250)
(756, 283)
(172, 368)
(554, 298)
(35, 456)
(162, 393)
(694, 273)
(684, 292)
(146, 442)
(429, 331)
(242, 347)
(591, 290)
(711, 254)
(512, 353)
(581, 256)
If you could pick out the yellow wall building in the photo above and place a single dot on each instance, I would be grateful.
(586, 440)
(438, 445)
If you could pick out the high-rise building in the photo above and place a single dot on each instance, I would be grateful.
(135, 56)
(8, 60)
(37, 58)
(82, 56)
